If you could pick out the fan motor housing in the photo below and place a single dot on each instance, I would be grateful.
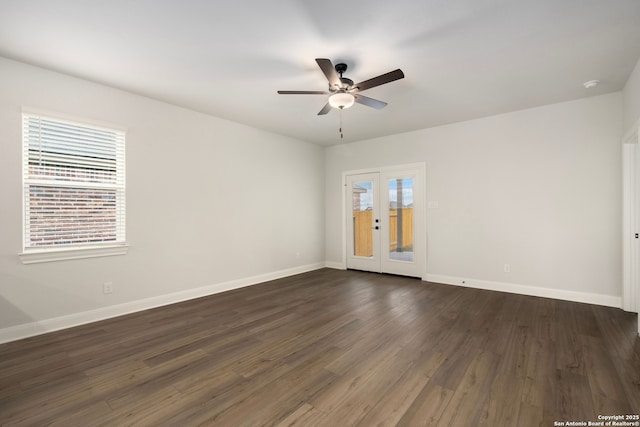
(346, 83)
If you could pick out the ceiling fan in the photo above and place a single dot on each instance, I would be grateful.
(343, 92)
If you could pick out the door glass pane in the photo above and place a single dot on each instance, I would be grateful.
(362, 202)
(401, 219)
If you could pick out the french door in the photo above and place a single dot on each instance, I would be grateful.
(384, 214)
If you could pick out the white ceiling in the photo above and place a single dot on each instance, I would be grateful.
(462, 59)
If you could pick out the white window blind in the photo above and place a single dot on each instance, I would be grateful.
(74, 184)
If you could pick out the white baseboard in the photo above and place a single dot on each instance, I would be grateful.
(26, 330)
(335, 265)
(584, 297)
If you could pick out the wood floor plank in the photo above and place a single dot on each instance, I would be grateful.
(305, 416)
(530, 415)
(428, 407)
(503, 406)
(516, 355)
(330, 348)
(353, 381)
(568, 397)
(540, 362)
(373, 395)
(162, 376)
(203, 401)
(389, 410)
(569, 351)
(85, 416)
(272, 404)
(607, 391)
(472, 394)
(148, 409)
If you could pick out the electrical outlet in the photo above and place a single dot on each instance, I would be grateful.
(107, 287)
(507, 268)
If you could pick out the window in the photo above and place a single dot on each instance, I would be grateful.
(74, 189)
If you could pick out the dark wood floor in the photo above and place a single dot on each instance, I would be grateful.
(332, 348)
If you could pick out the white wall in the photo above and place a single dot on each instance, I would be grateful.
(538, 189)
(631, 99)
(209, 202)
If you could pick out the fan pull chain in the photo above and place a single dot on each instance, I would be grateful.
(340, 130)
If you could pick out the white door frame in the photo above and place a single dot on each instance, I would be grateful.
(630, 221)
(420, 221)
(629, 226)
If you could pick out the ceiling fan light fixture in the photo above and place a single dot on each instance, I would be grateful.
(341, 100)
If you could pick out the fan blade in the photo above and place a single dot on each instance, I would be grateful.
(325, 109)
(329, 71)
(380, 80)
(302, 92)
(369, 102)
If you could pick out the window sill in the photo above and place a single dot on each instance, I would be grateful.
(35, 256)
